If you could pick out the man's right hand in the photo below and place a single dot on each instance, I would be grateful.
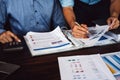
(8, 36)
(80, 31)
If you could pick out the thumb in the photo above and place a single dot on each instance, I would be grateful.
(109, 21)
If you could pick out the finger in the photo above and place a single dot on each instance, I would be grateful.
(112, 24)
(81, 28)
(85, 26)
(9, 38)
(2, 41)
(80, 32)
(118, 23)
(5, 40)
(79, 35)
(15, 37)
(109, 21)
(115, 24)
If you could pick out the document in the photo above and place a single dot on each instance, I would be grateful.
(112, 60)
(107, 39)
(95, 34)
(47, 42)
(84, 67)
(41, 43)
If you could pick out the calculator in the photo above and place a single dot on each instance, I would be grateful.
(12, 46)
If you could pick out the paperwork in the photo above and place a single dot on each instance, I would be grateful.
(95, 34)
(84, 67)
(47, 42)
(41, 43)
(112, 60)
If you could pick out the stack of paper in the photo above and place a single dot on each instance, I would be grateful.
(84, 67)
(47, 42)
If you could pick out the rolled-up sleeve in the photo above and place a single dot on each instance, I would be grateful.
(2, 16)
(66, 3)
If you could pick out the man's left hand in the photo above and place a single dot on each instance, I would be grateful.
(113, 22)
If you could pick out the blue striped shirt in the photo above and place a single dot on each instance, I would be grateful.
(30, 15)
(66, 3)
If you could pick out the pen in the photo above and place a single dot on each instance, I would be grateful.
(80, 26)
(77, 23)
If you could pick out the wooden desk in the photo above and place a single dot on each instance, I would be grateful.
(46, 67)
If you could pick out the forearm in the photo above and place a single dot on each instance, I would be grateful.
(115, 8)
(69, 15)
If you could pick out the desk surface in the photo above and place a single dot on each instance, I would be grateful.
(46, 67)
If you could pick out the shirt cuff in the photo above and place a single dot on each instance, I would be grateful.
(1, 31)
(66, 3)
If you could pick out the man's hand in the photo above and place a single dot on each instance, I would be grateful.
(8, 36)
(113, 22)
(80, 31)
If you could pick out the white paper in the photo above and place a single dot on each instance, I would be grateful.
(40, 43)
(105, 40)
(113, 61)
(95, 34)
(86, 67)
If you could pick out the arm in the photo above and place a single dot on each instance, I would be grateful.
(115, 8)
(69, 15)
(78, 31)
(114, 14)
(5, 36)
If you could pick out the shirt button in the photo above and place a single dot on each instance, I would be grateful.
(37, 22)
(35, 10)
